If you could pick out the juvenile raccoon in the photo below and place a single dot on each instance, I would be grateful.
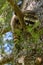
(29, 18)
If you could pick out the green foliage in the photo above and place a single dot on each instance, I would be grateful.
(33, 30)
(23, 40)
(6, 13)
(2, 3)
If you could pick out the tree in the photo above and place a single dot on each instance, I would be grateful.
(27, 30)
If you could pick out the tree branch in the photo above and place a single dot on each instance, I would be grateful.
(18, 12)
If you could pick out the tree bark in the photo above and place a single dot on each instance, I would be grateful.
(18, 12)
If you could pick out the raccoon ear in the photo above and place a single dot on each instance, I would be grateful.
(13, 22)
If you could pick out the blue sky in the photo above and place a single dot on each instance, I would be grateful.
(7, 46)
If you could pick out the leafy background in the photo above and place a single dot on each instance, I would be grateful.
(6, 40)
